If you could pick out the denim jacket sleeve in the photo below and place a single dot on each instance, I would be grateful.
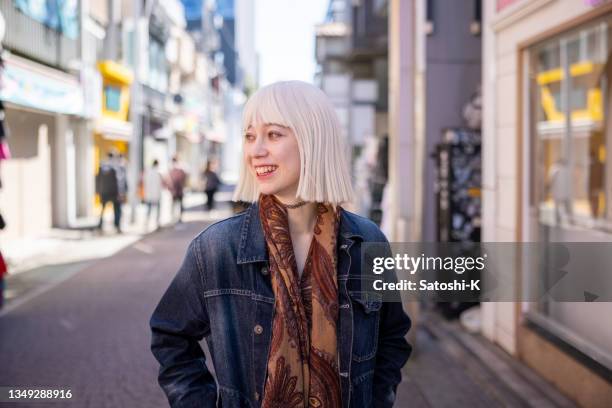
(178, 323)
(393, 349)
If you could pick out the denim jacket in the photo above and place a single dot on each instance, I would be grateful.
(223, 292)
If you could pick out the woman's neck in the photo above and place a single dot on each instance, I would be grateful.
(301, 219)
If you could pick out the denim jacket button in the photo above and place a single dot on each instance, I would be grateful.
(258, 329)
(256, 396)
(264, 270)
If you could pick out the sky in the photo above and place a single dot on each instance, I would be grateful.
(285, 38)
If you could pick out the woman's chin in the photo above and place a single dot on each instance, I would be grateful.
(277, 192)
(267, 190)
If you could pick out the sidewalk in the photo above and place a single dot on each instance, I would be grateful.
(59, 246)
(453, 368)
(39, 263)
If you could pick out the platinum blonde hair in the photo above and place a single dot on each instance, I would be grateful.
(307, 111)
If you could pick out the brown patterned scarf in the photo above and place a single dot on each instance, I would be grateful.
(303, 363)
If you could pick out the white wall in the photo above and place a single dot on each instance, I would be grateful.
(402, 147)
(25, 198)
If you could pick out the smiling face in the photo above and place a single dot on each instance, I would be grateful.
(272, 156)
(293, 146)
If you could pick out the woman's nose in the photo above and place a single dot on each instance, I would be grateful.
(259, 148)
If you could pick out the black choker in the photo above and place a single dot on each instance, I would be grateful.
(293, 206)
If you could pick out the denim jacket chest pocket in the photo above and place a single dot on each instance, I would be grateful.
(366, 317)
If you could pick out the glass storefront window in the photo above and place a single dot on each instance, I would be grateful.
(569, 84)
(112, 98)
(158, 68)
(570, 130)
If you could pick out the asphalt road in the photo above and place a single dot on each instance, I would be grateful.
(90, 333)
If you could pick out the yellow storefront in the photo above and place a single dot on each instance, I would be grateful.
(113, 131)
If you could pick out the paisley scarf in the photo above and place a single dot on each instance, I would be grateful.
(303, 363)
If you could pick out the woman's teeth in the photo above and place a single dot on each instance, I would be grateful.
(262, 170)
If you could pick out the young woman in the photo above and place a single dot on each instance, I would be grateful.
(276, 289)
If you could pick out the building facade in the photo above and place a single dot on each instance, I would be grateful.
(545, 168)
(47, 96)
(238, 77)
(86, 78)
(351, 51)
(448, 74)
(434, 72)
(546, 76)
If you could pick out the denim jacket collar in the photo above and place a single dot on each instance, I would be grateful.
(253, 244)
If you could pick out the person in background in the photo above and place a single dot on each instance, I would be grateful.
(3, 272)
(558, 185)
(211, 184)
(4, 155)
(177, 180)
(152, 183)
(3, 268)
(122, 184)
(5, 152)
(107, 187)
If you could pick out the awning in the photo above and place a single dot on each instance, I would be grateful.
(115, 71)
(113, 129)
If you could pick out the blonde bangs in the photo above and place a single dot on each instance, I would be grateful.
(263, 107)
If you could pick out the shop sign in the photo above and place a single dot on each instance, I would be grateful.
(33, 88)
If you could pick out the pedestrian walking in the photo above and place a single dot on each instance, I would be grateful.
(3, 272)
(211, 184)
(5, 152)
(277, 290)
(122, 183)
(3, 267)
(152, 185)
(558, 186)
(177, 179)
(107, 187)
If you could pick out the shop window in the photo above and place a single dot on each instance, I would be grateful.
(570, 79)
(158, 67)
(112, 98)
(569, 89)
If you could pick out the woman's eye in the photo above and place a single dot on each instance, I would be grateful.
(275, 135)
(249, 137)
